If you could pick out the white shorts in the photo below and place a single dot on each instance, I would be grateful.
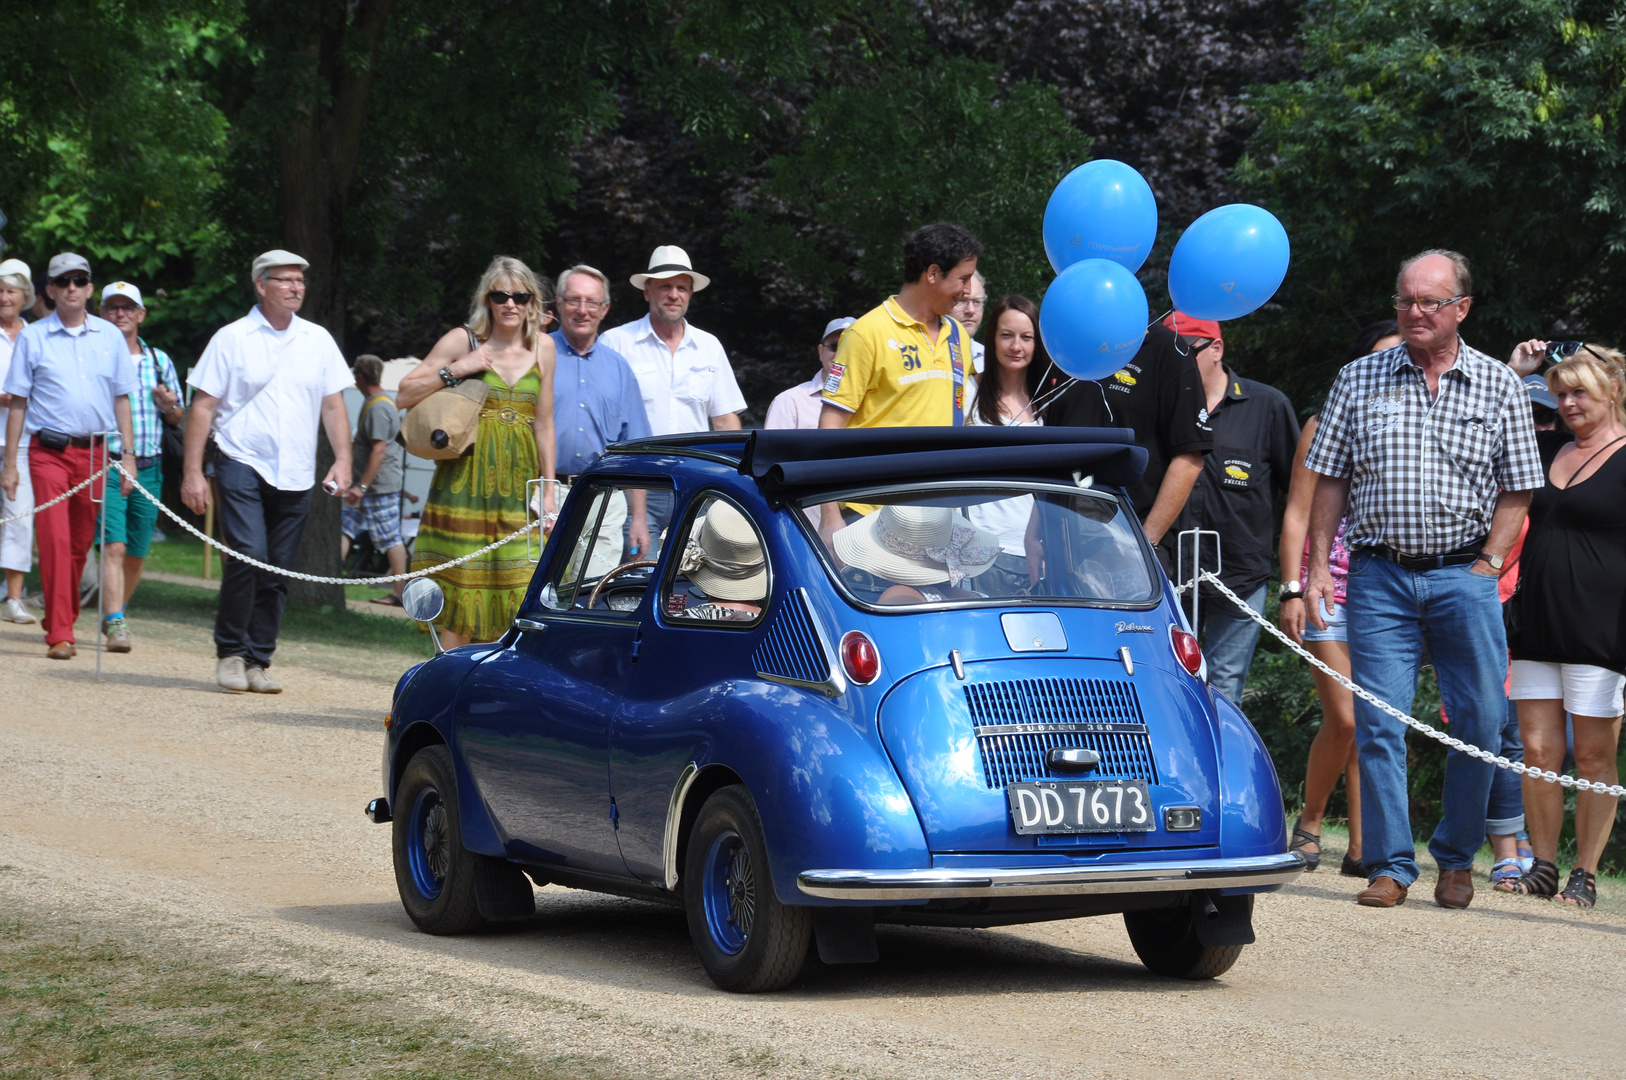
(1586, 690)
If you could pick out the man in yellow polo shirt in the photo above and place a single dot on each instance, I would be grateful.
(906, 362)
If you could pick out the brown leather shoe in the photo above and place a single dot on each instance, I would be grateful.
(1384, 891)
(62, 650)
(1455, 889)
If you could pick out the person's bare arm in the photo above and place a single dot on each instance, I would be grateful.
(638, 523)
(9, 477)
(729, 421)
(375, 461)
(1326, 510)
(1506, 520)
(1295, 527)
(451, 351)
(1172, 494)
(194, 487)
(547, 447)
(336, 420)
(126, 425)
(830, 520)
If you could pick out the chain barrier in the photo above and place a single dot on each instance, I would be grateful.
(91, 479)
(1499, 761)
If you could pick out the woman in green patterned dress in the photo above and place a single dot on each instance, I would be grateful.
(480, 497)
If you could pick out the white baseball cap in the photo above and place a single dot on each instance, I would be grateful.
(836, 325)
(275, 257)
(124, 289)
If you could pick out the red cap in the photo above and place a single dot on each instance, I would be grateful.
(1186, 326)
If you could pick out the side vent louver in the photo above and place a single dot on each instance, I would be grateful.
(794, 650)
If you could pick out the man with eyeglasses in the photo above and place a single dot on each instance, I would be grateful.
(969, 310)
(596, 401)
(1430, 446)
(259, 390)
(70, 384)
(802, 404)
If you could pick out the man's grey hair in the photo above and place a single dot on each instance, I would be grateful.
(977, 274)
(1459, 263)
(583, 268)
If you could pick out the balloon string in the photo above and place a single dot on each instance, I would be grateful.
(1160, 318)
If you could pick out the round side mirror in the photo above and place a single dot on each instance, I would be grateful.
(422, 600)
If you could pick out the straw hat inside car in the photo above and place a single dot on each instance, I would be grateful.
(725, 557)
(917, 545)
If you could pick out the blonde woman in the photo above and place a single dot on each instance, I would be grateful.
(480, 497)
(16, 539)
(1568, 637)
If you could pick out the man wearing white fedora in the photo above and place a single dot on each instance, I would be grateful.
(683, 372)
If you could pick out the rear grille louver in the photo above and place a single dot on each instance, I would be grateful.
(1018, 722)
(791, 650)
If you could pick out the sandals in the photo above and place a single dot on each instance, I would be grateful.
(1540, 880)
(388, 600)
(1527, 857)
(1504, 874)
(1582, 889)
(1302, 839)
(1352, 867)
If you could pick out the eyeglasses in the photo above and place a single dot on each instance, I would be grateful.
(1424, 304)
(973, 302)
(290, 282)
(827, 347)
(78, 281)
(583, 302)
(497, 298)
(125, 308)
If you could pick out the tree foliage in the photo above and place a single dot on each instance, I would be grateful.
(1493, 129)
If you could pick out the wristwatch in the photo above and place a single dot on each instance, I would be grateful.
(1290, 590)
(1494, 560)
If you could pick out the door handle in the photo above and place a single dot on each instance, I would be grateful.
(536, 625)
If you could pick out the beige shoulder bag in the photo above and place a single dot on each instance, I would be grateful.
(442, 426)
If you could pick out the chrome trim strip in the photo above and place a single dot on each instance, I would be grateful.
(1173, 876)
(674, 817)
(1082, 727)
(836, 684)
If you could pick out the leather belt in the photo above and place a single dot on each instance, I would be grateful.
(1462, 556)
(147, 462)
(567, 478)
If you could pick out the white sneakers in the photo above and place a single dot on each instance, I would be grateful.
(237, 676)
(17, 613)
(260, 683)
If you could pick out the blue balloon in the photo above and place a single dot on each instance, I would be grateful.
(1101, 210)
(1228, 263)
(1093, 318)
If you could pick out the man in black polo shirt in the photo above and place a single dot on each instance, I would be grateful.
(1255, 432)
(1160, 395)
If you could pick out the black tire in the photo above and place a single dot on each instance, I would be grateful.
(1166, 942)
(748, 941)
(433, 871)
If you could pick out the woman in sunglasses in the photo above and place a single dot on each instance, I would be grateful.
(1565, 627)
(481, 496)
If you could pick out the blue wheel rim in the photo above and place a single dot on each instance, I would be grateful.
(729, 892)
(428, 843)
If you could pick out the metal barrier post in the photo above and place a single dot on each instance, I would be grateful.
(1196, 536)
(101, 546)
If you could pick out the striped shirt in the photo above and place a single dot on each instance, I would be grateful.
(152, 367)
(1425, 476)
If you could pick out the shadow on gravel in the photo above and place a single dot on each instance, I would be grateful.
(618, 942)
(1530, 909)
(341, 719)
(80, 670)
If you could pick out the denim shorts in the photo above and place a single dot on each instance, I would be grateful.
(1336, 629)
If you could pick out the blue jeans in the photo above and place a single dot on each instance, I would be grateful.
(1505, 814)
(1229, 639)
(265, 523)
(1389, 610)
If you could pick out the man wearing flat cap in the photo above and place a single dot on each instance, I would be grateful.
(69, 383)
(260, 388)
(683, 372)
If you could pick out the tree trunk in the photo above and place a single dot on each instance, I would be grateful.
(330, 60)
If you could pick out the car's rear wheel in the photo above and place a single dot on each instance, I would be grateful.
(433, 871)
(748, 941)
(1166, 942)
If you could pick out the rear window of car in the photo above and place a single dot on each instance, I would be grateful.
(933, 544)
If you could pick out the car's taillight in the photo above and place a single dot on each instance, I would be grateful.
(860, 657)
(1186, 649)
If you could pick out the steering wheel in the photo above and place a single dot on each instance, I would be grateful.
(592, 597)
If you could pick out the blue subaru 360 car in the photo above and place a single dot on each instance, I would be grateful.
(975, 703)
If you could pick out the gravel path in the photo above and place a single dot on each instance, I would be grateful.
(232, 827)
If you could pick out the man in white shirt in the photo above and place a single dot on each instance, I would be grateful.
(800, 406)
(683, 372)
(260, 388)
(970, 309)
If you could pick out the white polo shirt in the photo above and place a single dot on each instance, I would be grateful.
(683, 390)
(271, 387)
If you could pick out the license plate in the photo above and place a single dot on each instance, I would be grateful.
(1080, 806)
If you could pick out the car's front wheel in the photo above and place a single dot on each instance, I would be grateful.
(433, 871)
(1167, 942)
(748, 941)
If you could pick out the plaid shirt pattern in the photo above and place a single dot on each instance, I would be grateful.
(154, 367)
(1424, 476)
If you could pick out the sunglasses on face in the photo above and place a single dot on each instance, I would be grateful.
(497, 298)
(78, 281)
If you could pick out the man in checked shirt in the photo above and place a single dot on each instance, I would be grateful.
(1432, 447)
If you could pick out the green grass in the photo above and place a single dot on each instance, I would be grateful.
(86, 1001)
(183, 554)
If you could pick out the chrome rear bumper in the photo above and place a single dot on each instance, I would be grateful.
(1173, 876)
